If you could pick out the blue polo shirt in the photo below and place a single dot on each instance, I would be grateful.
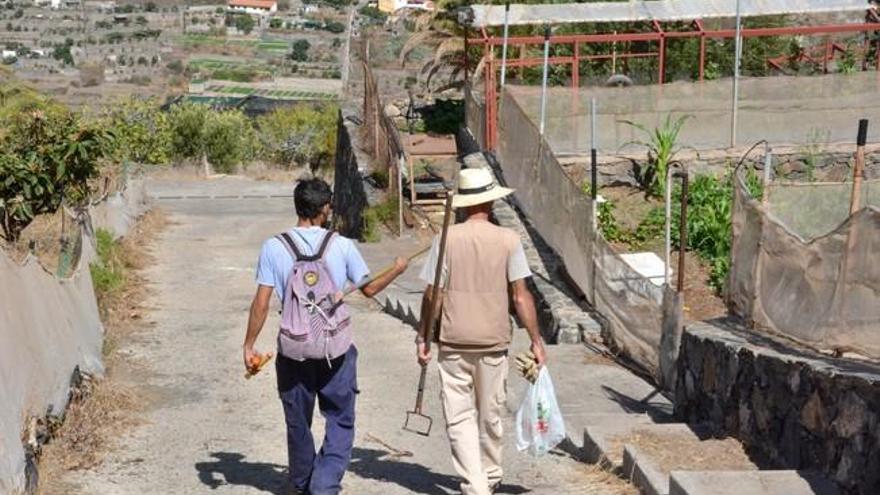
(344, 261)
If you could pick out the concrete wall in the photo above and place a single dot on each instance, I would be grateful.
(783, 110)
(791, 409)
(49, 327)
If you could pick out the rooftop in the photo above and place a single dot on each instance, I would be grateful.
(258, 4)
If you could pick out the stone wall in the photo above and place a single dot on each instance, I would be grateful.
(792, 409)
(799, 164)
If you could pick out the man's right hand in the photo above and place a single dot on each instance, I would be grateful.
(423, 353)
(537, 349)
(249, 355)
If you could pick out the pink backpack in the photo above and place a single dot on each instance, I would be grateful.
(313, 324)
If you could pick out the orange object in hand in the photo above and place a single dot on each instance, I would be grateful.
(256, 363)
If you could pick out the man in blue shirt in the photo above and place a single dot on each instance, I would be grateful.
(333, 382)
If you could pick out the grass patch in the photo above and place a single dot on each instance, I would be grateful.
(379, 217)
(108, 271)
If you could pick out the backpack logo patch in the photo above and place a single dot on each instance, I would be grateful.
(311, 278)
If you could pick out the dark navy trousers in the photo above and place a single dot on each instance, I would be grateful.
(335, 386)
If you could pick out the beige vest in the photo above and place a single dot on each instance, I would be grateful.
(475, 316)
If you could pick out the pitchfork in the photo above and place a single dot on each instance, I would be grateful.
(416, 415)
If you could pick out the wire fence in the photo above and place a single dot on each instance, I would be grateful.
(380, 135)
(804, 268)
(635, 310)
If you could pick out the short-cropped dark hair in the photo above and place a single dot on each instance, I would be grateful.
(310, 196)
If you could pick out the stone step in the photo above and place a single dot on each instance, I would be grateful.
(596, 423)
(650, 454)
(604, 444)
(749, 482)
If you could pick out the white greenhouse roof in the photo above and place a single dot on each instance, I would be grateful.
(648, 10)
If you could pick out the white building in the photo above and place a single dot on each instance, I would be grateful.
(253, 6)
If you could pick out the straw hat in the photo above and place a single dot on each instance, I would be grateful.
(477, 186)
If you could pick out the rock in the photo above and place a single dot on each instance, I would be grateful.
(813, 415)
(392, 111)
(852, 416)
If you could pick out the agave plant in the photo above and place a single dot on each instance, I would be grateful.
(662, 146)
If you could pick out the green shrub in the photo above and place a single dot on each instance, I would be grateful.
(301, 135)
(47, 155)
(376, 217)
(299, 50)
(141, 130)
(709, 223)
(187, 123)
(230, 140)
(108, 271)
(445, 117)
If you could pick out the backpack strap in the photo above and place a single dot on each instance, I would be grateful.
(294, 250)
(325, 244)
(291, 246)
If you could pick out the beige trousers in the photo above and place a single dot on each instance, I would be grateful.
(473, 391)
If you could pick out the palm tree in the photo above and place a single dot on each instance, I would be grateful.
(441, 31)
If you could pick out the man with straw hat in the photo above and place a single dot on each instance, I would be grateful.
(485, 269)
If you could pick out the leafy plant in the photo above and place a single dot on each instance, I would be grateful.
(849, 64)
(662, 146)
(47, 156)
(710, 231)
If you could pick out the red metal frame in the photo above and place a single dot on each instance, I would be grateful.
(658, 35)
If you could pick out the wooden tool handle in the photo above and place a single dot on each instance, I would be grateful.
(384, 271)
(431, 317)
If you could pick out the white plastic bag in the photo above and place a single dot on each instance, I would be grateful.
(539, 423)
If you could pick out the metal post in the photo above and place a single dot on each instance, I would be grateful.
(702, 56)
(736, 61)
(768, 167)
(594, 169)
(858, 169)
(467, 61)
(401, 162)
(682, 235)
(504, 45)
(668, 226)
(544, 77)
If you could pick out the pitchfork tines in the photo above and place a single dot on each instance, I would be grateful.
(416, 421)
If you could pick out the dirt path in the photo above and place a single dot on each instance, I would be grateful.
(207, 430)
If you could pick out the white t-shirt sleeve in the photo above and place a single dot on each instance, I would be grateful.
(518, 264)
(428, 269)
